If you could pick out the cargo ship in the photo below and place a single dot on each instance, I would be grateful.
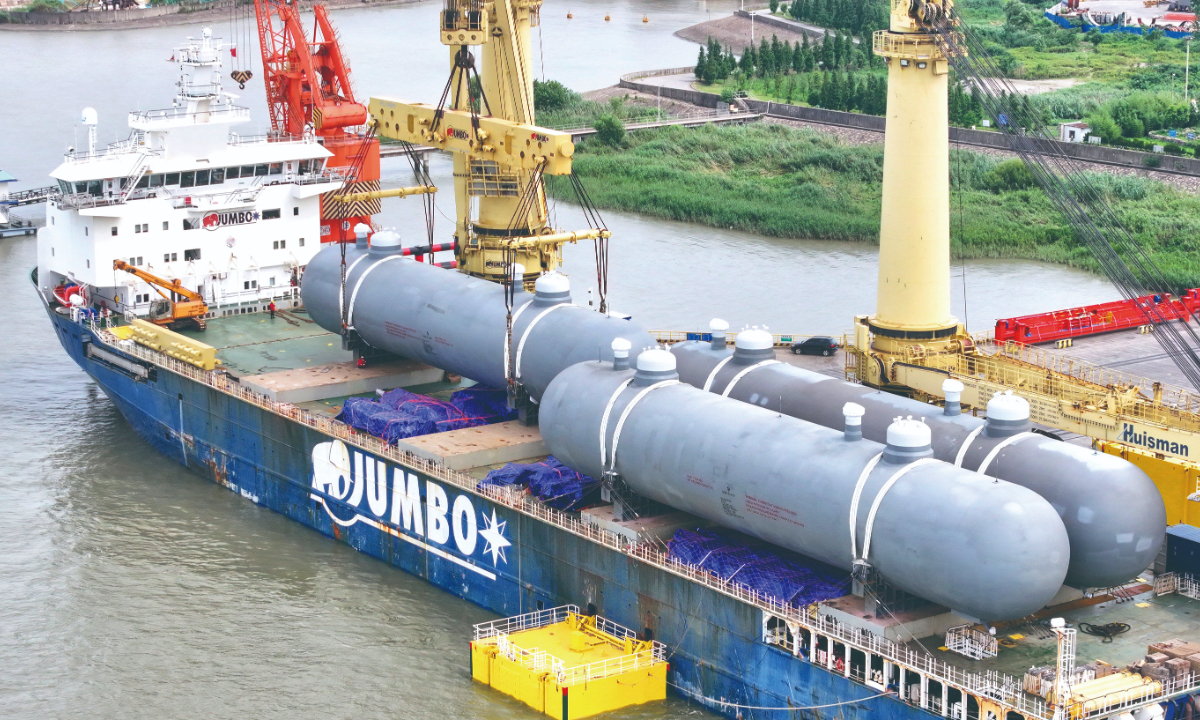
(967, 563)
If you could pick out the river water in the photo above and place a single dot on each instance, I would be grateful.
(130, 588)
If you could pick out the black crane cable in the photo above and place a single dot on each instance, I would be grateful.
(1069, 189)
(1107, 631)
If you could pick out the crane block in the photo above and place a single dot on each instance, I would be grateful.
(507, 143)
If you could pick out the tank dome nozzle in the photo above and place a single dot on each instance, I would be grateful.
(717, 327)
(952, 389)
(908, 440)
(853, 413)
(1007, 414)
(753, 345)
(655, 365)
(361, 232)
(386, 242)
(553, 287)
(620, 350)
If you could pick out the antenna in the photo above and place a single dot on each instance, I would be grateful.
(90, 118)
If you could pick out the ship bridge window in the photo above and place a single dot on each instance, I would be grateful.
(276, 168)
(64, 187)
(217, 175)
(201, 177)
(248, 170)
(156, 180)
(187, 179)
(260, 170)
(232, 173)
(272, 214)
(172, 178)
(95, 187)
(304, 167)
(191, 254)
(143, 183)
(81, 187)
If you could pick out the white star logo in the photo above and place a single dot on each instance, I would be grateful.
(493, 534)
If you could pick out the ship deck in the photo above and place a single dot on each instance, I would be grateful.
(1150, 619)
(294, 353)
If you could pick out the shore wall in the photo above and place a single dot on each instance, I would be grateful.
(1079, 151)
(102, 17)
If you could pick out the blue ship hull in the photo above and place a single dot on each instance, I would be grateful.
(468, 545)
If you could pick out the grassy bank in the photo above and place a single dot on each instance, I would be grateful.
(793, 182)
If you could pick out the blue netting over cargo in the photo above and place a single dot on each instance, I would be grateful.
(399, 414)
(552, 482)
(793, 579)
(486, 402)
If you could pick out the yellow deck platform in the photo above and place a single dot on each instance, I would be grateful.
(568, 665)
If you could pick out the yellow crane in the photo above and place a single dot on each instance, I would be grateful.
(501, 156)
(912, 343)
(180, 307)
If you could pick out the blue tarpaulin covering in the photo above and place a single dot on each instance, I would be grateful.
(399, 414)
(793, 579)
(552, 482)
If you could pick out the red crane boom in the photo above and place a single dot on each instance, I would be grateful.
(308, 84)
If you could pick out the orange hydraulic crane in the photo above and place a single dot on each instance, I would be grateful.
(180, 307)
(308, 85)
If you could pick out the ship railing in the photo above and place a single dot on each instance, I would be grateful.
(1001, 688)
(781, 339)
(270, 137)
(182, 116)
(528, 621)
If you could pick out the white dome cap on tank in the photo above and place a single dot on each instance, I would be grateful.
(1008, 407)
(655, 360)
(553, 283)
(386, 241)
(754, 339)
(909, 433)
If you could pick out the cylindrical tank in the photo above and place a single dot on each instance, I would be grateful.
(456, 322)
(985, 548)
(1113, 513)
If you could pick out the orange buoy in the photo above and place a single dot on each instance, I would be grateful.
(569, 16)
(645, 18)
(607, 18)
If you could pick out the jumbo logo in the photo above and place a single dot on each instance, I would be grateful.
(214, 220)
(1144, 439)
(457, 134)
(352, 477)
(538, 137)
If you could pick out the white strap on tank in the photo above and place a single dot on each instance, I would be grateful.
(357, 285)
(713, 375)
(858, 488)
(507, 343)
(962, 449)
(879, 499)
(342, 294)
(525, 335)
(1012, 439)
(743, 373)
(612, 465)
(604, 421)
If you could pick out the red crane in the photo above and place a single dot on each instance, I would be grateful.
(308, 84)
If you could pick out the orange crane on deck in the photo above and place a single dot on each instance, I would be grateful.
(308, 88)
(181, 306)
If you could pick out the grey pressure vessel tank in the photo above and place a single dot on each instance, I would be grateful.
(985, 548)
(1112, 511)
(456, 322)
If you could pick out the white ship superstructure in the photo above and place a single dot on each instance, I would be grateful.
(234, 218)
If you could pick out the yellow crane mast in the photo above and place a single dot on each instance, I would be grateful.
(913, 343)
(486, 118)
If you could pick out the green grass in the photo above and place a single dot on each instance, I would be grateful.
(794, 182)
